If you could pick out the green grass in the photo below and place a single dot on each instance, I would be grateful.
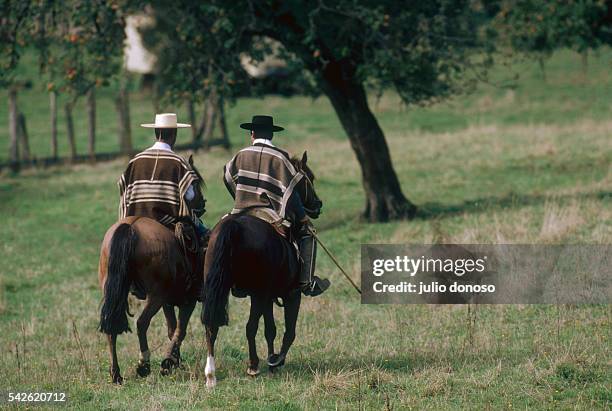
(530, 165)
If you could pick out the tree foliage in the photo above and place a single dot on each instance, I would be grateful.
(541, 27)
(79, 43)
(15, 25)
(425, 50)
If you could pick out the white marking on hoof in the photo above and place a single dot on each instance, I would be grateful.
(145, 356)
(253, 372)
(211, 380)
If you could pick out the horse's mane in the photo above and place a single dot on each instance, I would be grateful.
(297, 163)
(201, 183)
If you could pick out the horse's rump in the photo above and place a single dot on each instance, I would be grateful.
(247, 253)
(158, 265)
(264, 262)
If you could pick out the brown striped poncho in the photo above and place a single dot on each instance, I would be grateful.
(261, 176)
(154, 185)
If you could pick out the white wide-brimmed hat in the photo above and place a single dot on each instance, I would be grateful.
(165, 120)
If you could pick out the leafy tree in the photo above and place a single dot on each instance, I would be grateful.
(77, 43)
(79, 46)
(424, 50)
(15, 20)
(541, 27)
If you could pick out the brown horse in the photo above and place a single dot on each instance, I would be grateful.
(141, 250)
(247, 253)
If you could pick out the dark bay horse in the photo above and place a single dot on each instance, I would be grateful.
(247, 253)
(141, 250)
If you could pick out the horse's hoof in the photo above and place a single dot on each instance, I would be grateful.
(143, 369)
(276, 360)
(167, 365)
(253, 372)
(116, 376)
(211, 381)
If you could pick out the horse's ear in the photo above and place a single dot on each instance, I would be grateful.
(191, 160)
(304, 158)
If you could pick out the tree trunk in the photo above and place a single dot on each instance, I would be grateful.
(91, 116)
(202, 126)
(542, 68)
(211, 117)
(13, 130)
(24, 140)
(384, 197)
(70, 129)
(53, 108)
(123, 109)
(192, 120)
(585, 63)
(225, 142)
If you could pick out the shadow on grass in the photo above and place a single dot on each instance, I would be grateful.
(509, 201)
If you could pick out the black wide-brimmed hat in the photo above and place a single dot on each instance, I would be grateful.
(261, 123)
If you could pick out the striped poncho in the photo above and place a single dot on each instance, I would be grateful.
(154, 185)
(261, 175)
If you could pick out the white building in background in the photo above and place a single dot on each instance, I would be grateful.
(271, 64)
(136, 58)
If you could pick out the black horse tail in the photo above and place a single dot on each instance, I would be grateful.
(218, 282)
(113, 316)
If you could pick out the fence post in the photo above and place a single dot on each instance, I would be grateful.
(23, 138)
(123, 110)
(53, 108)
(70, 128)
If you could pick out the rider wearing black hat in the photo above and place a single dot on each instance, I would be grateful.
(262, 175)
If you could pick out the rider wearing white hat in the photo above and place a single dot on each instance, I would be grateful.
(160, 184)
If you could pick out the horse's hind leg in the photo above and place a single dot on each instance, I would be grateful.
(252, 325)
(170, 320)
(114, 370)
(211, 336)
(292, 309)
(269, 326)
(173, 355)
(151, 308)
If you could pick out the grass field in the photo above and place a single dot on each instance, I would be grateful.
(525, 165)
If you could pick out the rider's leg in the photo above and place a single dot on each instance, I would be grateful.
(310, 284)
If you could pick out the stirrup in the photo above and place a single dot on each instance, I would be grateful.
(316, 287)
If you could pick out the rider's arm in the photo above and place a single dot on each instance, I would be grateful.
(296, 207)
(228, 180)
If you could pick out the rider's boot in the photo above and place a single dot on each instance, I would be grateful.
(310, 284)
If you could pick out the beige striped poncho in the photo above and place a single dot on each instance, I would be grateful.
(261, 176)
(154, 185)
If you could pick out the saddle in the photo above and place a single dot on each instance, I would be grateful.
(282, 226)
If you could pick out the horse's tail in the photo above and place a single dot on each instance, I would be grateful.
(215, 293)
(113, 316)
